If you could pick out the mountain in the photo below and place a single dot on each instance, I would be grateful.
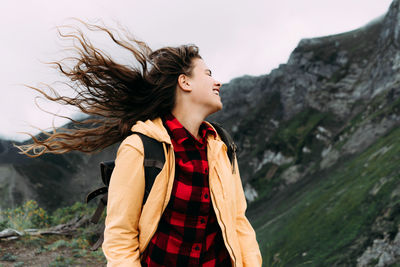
(319, 147)
(52, 180)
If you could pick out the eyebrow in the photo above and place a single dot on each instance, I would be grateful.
(209, 71)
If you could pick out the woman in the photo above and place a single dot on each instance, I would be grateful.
(195, 212)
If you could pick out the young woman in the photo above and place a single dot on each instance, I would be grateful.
(195, 212)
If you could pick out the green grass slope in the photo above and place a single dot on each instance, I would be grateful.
(329, 219)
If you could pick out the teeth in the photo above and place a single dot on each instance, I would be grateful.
(216, 92)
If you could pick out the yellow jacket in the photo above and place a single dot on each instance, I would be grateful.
(129, 228)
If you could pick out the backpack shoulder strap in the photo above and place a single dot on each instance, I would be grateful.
(228, 140)
(154, 160)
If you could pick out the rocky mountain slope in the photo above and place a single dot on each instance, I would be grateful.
(318, 147)
(52, 180)
(318, 144)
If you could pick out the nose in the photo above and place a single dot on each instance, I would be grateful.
(217, 83)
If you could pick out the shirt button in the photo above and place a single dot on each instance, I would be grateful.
(205, 196)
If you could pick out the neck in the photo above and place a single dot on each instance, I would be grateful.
(191, 120)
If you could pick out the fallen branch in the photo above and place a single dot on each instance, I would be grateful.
(68, 228)
(7, 233)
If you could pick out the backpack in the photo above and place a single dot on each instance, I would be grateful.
(154, 160)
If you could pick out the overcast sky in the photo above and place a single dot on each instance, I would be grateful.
(235, 38)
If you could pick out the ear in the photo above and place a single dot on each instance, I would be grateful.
(183, 82)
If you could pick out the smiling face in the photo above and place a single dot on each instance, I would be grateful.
(204, 89)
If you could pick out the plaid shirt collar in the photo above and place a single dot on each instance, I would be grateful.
(179, 133)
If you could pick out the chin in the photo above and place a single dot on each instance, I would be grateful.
(220, 106)
(216, 108)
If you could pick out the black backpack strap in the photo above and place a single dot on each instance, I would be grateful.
(99, 241)
(154, 160)
(106, 169)
(100, 208)
(228, 140)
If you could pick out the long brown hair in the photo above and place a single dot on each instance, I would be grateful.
(115, 96)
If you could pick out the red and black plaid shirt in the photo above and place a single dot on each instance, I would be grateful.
(188, 233)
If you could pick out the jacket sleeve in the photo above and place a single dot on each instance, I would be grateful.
(247, 237)
(125, 195)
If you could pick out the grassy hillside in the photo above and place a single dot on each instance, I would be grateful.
(330, 218)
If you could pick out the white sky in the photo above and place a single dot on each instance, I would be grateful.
(235, 38)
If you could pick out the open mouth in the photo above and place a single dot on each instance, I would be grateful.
(216, 91)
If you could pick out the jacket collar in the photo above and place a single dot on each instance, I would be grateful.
(180, 134)
(155, 129)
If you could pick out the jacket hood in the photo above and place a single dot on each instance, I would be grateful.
(152, 128)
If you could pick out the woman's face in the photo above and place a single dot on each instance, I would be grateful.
(205, 89)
